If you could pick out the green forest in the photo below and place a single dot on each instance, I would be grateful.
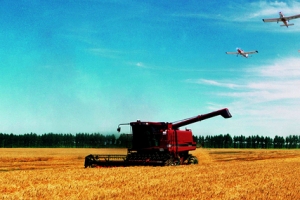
(98, 140)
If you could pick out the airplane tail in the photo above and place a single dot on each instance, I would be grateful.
(287, 25)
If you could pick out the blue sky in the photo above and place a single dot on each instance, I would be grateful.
(86, 66)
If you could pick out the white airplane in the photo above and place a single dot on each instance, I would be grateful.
(282, 18)
(242, 52)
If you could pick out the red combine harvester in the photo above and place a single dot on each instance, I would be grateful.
(156, 144)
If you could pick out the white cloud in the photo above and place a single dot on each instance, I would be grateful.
(249, 12)
(264, 8)
(108, 53)
(261, 9)
(215, 83)
(286, 68)
(140, 64)
(271, 93)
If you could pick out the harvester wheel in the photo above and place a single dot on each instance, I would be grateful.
(89, 161)
(172, 162)
(193, 160)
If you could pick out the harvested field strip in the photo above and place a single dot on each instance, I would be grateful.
(274, 177)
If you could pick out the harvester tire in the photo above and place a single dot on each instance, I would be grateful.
(192, 160)
(89, 160)
(172, 162)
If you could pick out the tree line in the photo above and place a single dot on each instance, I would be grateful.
(52, 140)
(255, 141)
(98, 140)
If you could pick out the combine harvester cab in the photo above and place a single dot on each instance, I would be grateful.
(156, 144)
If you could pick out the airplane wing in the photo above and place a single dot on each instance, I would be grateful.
(292, 17)
(231, 52)
(279, 19)
(250, 52)
(272, 20)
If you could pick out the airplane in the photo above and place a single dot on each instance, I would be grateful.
(282, 18)
(242, 52)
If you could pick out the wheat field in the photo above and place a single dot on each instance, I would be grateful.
(220, 174)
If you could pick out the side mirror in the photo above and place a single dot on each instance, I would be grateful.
(119, 129)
